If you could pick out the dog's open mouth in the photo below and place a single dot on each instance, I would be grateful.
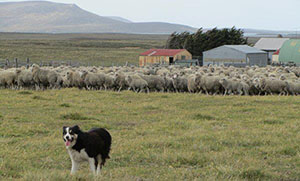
(68, 142)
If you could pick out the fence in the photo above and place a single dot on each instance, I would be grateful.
(16, 63)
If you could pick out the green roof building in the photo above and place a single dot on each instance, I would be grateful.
(290, 52)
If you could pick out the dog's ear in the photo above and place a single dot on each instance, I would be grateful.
(64, 128)
(76, 129)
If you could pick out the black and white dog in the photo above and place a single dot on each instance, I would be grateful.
(92, 146)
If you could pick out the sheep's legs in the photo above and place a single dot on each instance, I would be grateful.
(120, 89)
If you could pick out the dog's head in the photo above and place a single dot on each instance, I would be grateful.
(70, 135)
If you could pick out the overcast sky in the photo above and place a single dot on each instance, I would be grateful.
(256, 14)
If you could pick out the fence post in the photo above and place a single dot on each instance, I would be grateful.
(16, 60)
(27, 63)
(7, 63)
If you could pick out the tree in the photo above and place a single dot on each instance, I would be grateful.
(279, 36)
(201, 41)
(172, 42)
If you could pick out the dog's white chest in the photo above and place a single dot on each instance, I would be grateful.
(78, 156)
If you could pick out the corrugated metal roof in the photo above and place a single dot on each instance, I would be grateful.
(290, 52)
(162, 52)
(270, 43)
(244, 48)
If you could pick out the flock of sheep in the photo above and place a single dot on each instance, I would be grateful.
(209, 80)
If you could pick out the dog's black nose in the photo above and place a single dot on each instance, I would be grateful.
(67, 137)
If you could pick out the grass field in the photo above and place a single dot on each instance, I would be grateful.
(157, 136)
(87, 49)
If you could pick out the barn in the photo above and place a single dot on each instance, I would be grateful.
(235, 55)
(270, 45)
(290, 52)
(163, 56)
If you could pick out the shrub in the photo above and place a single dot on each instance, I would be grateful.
(74, 116)
(24, 92)
(203, 117)
(38, 98)
(65, 105)
(253, 174)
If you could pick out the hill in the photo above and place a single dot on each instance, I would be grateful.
(119, 19)
(49, 17)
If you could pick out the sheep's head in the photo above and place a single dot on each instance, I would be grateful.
(18, 71)
(35, 68)
(261, 83)
(222, 81)
(83, 74)
(286, 69)
(245, 78)
(35, 65)
(282, 77)
(128, 78)
(69, 74)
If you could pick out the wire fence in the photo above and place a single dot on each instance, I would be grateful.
(17, 63)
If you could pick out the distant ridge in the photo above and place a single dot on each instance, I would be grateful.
(264, 33)
(49, 17)
(119, 19)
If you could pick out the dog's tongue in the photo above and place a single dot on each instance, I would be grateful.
(68, 143)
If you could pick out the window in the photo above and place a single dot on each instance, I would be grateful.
(183, 57)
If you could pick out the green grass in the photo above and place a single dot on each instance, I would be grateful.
(157, 136)
(87, 49)
(74, 116)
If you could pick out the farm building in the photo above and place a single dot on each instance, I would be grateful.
(236, 55)
(163, 56)
(270, 45)
(275, 57)
(290, 52)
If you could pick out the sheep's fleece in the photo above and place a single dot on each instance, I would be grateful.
(210, 80)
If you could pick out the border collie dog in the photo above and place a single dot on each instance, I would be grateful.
(92, 146)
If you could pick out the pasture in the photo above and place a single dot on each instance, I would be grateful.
(157, 136)
(87, 49)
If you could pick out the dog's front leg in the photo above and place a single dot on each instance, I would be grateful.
(75, 166)
(92, 165)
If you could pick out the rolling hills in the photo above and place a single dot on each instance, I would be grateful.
(49, 17)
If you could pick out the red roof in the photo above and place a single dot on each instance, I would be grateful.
(162, 52)
(277, 52)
